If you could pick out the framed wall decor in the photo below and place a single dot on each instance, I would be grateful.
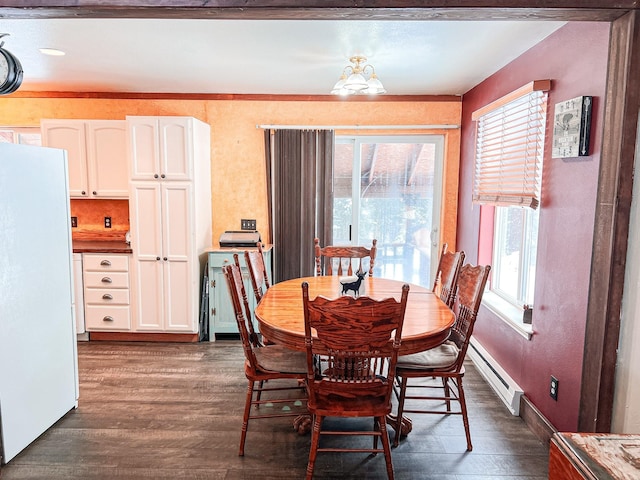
(572, 128)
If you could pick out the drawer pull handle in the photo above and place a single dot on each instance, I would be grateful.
(107, 296)
(107, 319)
(106, 280)
(105, 263)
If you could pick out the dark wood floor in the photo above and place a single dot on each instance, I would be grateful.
(173, 411)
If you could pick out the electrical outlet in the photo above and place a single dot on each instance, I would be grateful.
(553, 388)
(74, 221)
(107, 222)
(247, 224)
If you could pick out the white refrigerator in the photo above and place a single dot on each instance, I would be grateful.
(38, 351)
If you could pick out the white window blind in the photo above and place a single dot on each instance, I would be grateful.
(510, 146)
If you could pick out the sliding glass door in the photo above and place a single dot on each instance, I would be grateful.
(389, 188)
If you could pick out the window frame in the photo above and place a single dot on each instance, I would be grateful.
(357, 141)
(526, 238)
(504, 306)
(19, 131)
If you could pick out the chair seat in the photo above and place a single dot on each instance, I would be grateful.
(439, 357)
(276, 358)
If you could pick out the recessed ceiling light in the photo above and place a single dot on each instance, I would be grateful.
(52, 51)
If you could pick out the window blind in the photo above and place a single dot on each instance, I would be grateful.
(509, 149)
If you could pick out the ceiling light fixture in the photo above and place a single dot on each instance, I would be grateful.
(10, 70)
(353, 79)
(52, 51)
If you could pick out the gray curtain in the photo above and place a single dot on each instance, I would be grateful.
(299, 183)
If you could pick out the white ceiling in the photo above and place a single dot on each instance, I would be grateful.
(304, 57)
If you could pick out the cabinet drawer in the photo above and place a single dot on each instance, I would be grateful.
(114, 317)
(219, 260)
(106, 279)
(103, 296)
(106, 263)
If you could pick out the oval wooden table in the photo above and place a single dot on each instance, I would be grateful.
(280, 314)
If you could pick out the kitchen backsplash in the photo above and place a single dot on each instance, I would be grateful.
(90, 215)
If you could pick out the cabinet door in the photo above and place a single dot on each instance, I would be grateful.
(144, 148)
(180, 265)
(221, 315)
(69, 135)
(176, 148)
(222, 318)
(146, 239)
(107, 159)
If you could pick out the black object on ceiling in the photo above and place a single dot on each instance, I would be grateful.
(10, 70)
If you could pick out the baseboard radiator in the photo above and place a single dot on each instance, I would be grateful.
(506, 388)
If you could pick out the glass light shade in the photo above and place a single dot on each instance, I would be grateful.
(374, 86)
(355, 82)
(339, 86)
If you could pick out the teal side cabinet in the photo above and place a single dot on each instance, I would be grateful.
(221, 316)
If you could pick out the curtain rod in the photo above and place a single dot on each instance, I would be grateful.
(359, 127)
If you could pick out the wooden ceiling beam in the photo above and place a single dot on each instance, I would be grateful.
(574, 10)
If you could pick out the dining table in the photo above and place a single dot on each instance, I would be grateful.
(280, 314)
(427, 321)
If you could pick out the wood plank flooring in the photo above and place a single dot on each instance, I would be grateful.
(173, 411)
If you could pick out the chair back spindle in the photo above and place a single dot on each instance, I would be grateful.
(471, 284)
(257, 271)
(340, 260)
(449, 266)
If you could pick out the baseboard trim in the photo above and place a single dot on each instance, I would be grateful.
(143, 337)
(536, 421)
(499, 380)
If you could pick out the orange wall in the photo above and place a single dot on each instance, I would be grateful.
(90, 217)
(237, 147)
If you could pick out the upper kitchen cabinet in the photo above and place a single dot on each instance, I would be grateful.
(170, 217)
(163, 148)
(97, 155)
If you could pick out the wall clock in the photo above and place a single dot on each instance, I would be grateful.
(572, 128)
(10, 71)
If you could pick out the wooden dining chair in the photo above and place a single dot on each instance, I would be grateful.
(263, 363)
(257, 271)
(350, 365)
(444, 363)
(447, 275)
(340, 260)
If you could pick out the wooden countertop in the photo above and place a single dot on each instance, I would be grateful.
(101, 246)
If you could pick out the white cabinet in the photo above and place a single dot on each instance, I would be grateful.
(222, 317)
(162, 148)
(170, 219)
(106, 292)
(97, 155)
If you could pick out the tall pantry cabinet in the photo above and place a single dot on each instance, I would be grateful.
(170, 217)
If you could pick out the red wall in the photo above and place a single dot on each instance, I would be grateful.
(575, 59)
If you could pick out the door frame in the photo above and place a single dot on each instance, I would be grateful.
(429, 138)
